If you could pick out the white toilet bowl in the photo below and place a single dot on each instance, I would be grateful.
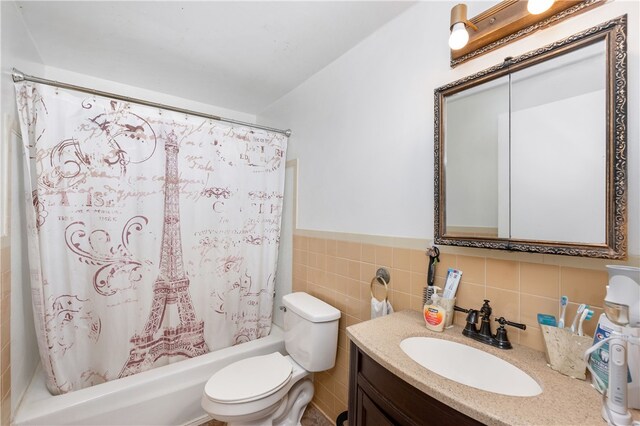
(275, 389)
(262, 390)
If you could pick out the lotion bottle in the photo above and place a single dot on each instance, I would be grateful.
(434, 314)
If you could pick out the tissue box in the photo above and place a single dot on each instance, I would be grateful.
(565, 350)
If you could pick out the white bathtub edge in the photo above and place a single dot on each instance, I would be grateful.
(165, 395)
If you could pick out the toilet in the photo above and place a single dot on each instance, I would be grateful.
(275, 389)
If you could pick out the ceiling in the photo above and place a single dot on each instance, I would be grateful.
(238, 55)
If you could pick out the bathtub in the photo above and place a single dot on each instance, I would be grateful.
(168, 395)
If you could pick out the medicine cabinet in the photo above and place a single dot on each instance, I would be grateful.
(530, 155)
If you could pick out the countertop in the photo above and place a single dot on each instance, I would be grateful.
(563, 401)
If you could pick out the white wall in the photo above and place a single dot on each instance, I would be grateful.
(84, 80)
(363, 126)
(17, 51)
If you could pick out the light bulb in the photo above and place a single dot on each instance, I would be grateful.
(459, 36)
(536, 7)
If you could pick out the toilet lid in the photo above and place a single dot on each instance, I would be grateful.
(249, 379)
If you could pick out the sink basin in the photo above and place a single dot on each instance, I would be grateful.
(470, 366)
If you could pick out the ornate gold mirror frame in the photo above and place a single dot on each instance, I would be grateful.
(614, 34)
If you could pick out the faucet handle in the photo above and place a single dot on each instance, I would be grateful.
(503, 321)
(472, 319)
(501, 333)
(486, 309)
(472, 315)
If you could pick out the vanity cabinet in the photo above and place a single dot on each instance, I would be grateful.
(377, 397)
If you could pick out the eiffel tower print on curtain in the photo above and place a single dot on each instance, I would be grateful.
(171, 287)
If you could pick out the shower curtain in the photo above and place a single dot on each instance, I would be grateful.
(153, 235)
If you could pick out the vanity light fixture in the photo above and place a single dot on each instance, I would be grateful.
(506, 22)
(536, 7)
(459, 36)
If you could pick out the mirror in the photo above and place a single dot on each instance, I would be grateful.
(530, 155)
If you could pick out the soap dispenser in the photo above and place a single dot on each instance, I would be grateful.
(434, 314)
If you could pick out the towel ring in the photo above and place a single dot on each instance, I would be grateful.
(380, 280)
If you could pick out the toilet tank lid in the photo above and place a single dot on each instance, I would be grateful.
(310, 308)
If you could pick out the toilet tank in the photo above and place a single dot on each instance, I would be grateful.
(310, 331)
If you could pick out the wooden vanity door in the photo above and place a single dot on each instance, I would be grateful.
(369, 414)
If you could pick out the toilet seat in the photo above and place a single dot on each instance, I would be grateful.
(249, 379)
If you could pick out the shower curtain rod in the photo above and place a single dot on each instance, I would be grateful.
(20, 76)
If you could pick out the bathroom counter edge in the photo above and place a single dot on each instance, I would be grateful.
(564, 401)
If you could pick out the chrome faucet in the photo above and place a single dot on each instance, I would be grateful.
(484, 335)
